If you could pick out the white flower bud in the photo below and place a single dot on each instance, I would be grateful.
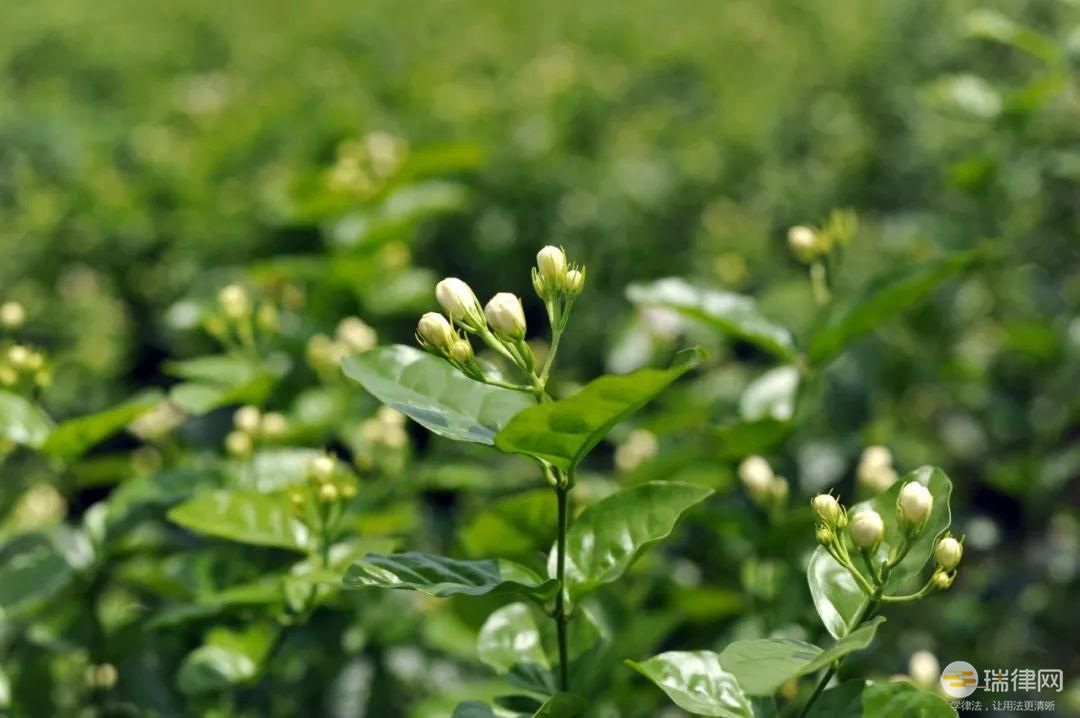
(551, 263)
(875, 457)
(274, 425)
(322, 468)
(867, 528)
(235, 302)
(461, 351)
(924, 669)
(914, 504)
(247, 419)
(457, 298)
(575, 282)
(19, 356)
(828, 508)
(435, 332)
(355, 334)
(756, 474)
(948, 553)
(506, 316)
(942, 579)
(388, 416)
(12, 315)
(238, 443)
(803, 242)
(328, 493)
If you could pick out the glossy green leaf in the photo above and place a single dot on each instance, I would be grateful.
(884, 298)
(509, 637)
(473, 709)
(74, 437)
(563, 432)
(22, 421)
(733, 314)
(32, 569)
(435, 394)
(696, 682)
(837, 597)
(228, 658)
(218, 380)
(244, 516)
(865, 699)
(607, 536)
(762, 666)
(562, 705)
(441, 576)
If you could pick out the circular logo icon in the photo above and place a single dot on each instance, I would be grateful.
(959, 679)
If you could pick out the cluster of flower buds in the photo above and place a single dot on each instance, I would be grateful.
(501, 322)
(251, 426)
(321, 501)
(240, 322)
(364, 165)
(23, 369)
(866, 529)
(875, 470)
(765, 488)
(352, 336)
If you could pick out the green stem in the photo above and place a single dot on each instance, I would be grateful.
(864, 613)
(561, 492)
(556, 335)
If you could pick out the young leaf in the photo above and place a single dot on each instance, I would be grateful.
(729, 313)
(762, 666)
(607, 536)
(22, 421)
(72, 438)
(509, 642)
(563, 432)
(441, 576)
(244, 516)
(836, 595)
(885, 298)
(435, 394)
(865, 699)
(696, 682)
(562, 705)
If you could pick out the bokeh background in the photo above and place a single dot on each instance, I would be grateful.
(343, 156)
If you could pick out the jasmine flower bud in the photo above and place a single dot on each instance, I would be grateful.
(924, 669)
(238, 443)
(828, 508)
(12, 315)
(943, 579)
(435, 333)
(824, 535)
(948, 553)
(247, 419)
(461, 351)
(274, 425)
(328, 493)
(354, 333)
(19, 356)
(506, 316)
(551, 264)
(322, 468)
(575, 281)
(756, 474)
(866, 529)
(235, 302)
(457, 298)
(803, 242)
(914, 504)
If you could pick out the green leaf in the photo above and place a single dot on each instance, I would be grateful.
(435, 394)
(732, 314)
(441, 576)
(473, 709)
(562, 705)
(607, 536)
(563, 432)
(74, 437)
(884, 298)
(762, 666)
(771, 395)
(738, 440)
(22, 421)
(228, 658)
(244, 516)
(217, 380)
(696, 682)
(864, 699)
(837, 597)
(509, 642)
(32, 569)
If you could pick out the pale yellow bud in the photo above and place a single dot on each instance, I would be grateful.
(575, 282)
(238, 443)
(461, 351)
(435, 332)
(328, 493)
(756, 474)
(551, 264)
(942, 580)
(914, 504)
(355, 334)
(247, 419)
(803, 242)
(924, 669)
(12, 315)
(19, 356)
(234, 302)
(948, 553)
(274, 425)
(828, 508)
(322, 468)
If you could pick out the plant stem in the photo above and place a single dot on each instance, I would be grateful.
(556, 335)
(561, 492)
(864, 613)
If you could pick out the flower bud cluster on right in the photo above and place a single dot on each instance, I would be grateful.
(865, 530)
(500, 324)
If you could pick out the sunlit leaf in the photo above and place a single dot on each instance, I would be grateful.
(22, 421)
(607, 536)
(72, 438)
(509, 642)
(228, 658)
(771, 395)
(442, 576)
(696, 682)
(563, 432)
(32, 569)
(244, 516)
(733, 314)
(435, 394)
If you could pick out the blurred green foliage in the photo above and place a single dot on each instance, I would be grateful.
(338, 158)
